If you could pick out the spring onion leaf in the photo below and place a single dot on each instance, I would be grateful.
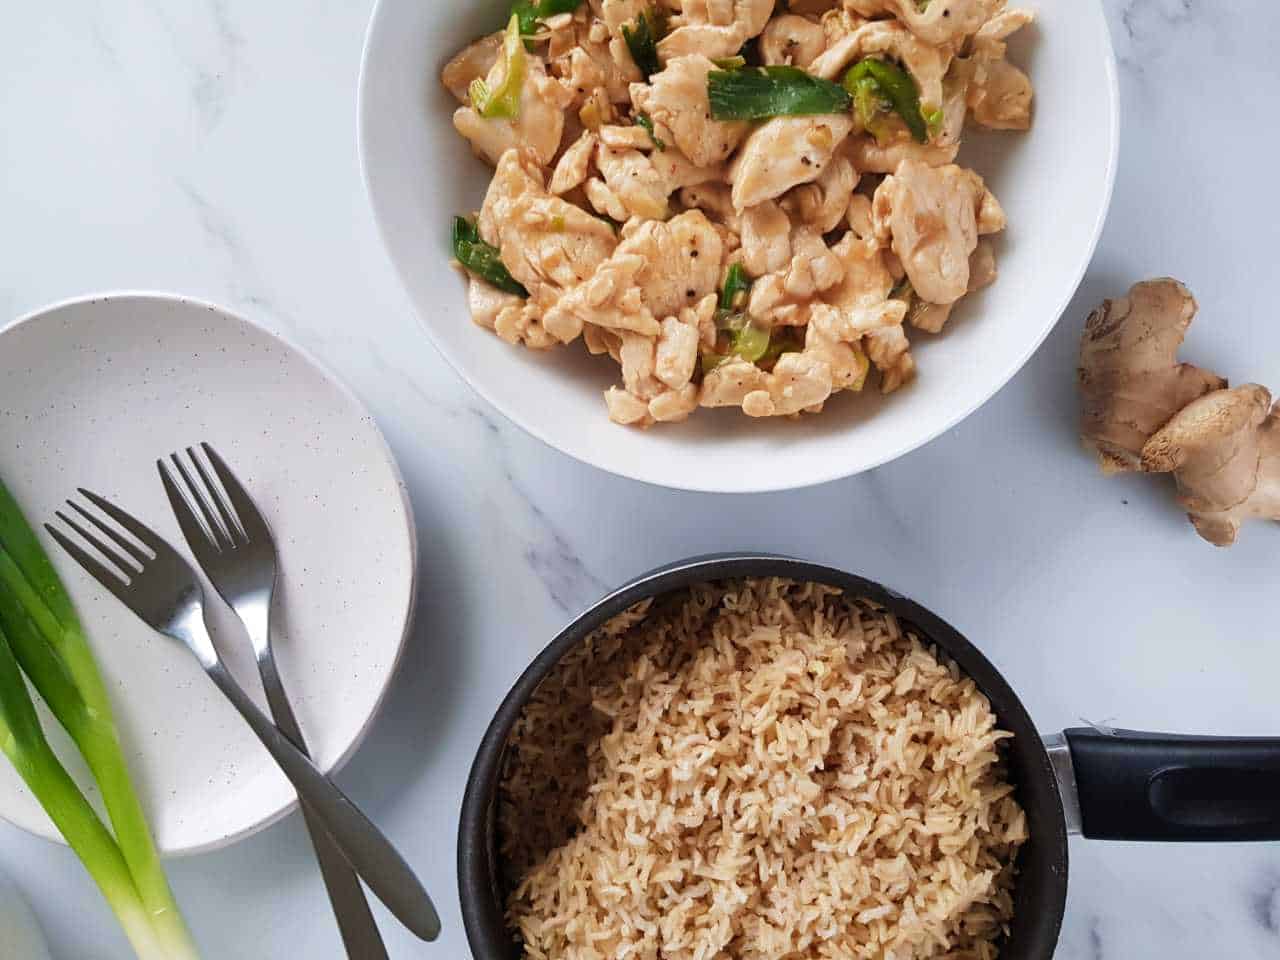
(877, 87)
(642, 41)
(41, 635)
(730, 63)
(530, 13)
(643, 120)
(764, 92)
(736, 285)
(482, 258)
(503, 101)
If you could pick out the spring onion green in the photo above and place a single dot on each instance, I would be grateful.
(642, 41)
(643, 120)
(759, 93)
(878, 87)
(530, 14)
(482, 258)
(503, 101)
(736, 286)
(745, 338)
(41, 635)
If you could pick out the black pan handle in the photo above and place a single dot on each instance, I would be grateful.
(1158, 786)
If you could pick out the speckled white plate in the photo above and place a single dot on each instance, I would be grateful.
(92, 392)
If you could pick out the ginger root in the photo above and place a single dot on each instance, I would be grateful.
(1129, 372)
(1224, 452)
(1143, 410)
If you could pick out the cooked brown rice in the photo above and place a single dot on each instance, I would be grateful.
(760, 770)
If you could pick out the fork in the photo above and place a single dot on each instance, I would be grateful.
(234, 547)
(159, 586)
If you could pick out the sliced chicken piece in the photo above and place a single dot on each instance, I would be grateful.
(933, 216)
(581, 57)
(600, 341)
(657, 269)
(859, 304)
(822, 204)
(676, 355)
(999, 94)
(848, 361)
(890, 351)
(797, 383)
(676, 99)
(634, 181)
(714, 28)
(549, 245)
(859, 217)
(574, 164)
(766, 238)
(610, 299)
(932, 317)
(682, 260)
(637, 356)
(487, 302)
(538, 125)
(783, 298)
(783, 153)
(637, 184)
(938, 22)
(626, 409)
(674, 405)
(474, 62)
(678, 171)
(888, 38)
(792, 40)
(634, 137)
(870, 156)
(713, 199)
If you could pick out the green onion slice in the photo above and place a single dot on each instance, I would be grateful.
(482, 258)
(763, 92)
(503, 101)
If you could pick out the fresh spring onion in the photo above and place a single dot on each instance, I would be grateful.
(762, 92)
(530, 13)
(503, 101)
(643, 120)
(642, 41)
(482, 258)
(41, 635)
(878, 87)
(746, 339)
(736, 286)
(730, 63)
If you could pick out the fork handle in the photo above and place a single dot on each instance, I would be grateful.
(362, 843)
(359, 931)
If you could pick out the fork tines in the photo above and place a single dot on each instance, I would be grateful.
(214, 506)
(127, 557)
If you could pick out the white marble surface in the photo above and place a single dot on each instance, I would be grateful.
(207, 146)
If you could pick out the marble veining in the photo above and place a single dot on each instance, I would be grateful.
(207, 146)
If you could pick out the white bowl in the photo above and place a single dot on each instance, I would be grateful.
(1055, 183)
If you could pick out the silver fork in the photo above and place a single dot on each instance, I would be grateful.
(234, 547)
(159, 586)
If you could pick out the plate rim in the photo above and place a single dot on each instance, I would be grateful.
(409, 614)
(691, 484)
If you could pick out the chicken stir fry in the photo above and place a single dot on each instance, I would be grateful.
(744, 203)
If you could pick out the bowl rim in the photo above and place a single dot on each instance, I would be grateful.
(483, 920)
(837, 470)
(411, 526)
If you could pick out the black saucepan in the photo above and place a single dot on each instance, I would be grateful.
(1102, 784)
